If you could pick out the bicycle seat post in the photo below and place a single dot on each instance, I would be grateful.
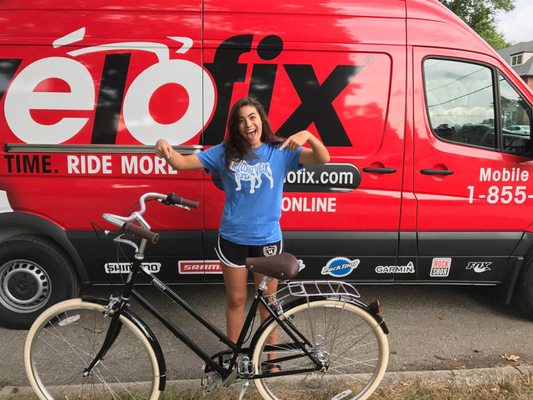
(264, 282)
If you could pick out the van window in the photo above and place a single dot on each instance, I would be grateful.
(460, 101)
(516, 120)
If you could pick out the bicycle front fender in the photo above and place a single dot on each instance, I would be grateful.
(147, 332)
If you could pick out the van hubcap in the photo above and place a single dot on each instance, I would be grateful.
(24, 286)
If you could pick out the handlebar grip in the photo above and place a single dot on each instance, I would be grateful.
(137, 230)
(189, 203)
(172, 198)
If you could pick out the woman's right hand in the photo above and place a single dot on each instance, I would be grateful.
(163, 149)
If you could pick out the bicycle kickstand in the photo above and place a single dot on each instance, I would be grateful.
(245, 384)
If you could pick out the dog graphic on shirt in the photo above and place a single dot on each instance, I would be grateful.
(251, 173)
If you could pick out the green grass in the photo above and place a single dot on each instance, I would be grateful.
(516, 389)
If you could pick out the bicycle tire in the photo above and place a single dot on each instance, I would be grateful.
(64, 340)
(347, 337)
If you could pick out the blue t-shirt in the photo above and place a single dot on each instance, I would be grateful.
(254, 189)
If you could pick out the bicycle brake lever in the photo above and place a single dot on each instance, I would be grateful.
(120, 239)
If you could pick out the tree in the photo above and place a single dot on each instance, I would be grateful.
(479, 15)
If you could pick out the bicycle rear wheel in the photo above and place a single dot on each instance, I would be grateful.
(346, 338)
(64, 340)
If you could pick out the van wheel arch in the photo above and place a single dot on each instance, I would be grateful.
(34, 274)
(524, 288)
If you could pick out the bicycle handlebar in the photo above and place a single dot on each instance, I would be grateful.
(143, 229)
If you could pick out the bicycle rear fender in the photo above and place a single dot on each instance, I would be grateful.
(147, 332)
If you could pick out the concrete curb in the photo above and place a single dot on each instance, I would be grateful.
(470, 377)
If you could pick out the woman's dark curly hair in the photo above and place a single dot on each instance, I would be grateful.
(236, 147)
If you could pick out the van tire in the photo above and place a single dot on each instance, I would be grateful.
(34, 274)
(524, 289)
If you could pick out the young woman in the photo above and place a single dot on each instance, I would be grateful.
(252, 163)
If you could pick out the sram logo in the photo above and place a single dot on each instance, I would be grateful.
(52, 99)
(199, 267)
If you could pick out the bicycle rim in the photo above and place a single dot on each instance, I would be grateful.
(64, 340)
(346, 338)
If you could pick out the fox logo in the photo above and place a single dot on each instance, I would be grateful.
(479, 266)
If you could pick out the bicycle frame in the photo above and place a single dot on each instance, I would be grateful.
(236, 348)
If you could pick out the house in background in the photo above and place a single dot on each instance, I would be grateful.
(520, 57)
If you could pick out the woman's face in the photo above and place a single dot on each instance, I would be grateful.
(250, 125)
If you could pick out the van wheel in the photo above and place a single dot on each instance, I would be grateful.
(524, 290)
(34, 274)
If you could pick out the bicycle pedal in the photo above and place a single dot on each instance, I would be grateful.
(210, 381)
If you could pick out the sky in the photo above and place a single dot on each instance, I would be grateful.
(517, 25)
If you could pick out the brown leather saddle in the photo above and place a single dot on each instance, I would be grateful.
(281, 266)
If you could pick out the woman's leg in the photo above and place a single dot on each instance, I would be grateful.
(235, 280)
(274, 336)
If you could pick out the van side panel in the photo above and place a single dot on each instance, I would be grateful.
(84, 99)
(472, 188)
(346, 85)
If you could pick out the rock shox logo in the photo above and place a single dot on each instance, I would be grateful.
(479, 266)
(339, 267)
(440, 267)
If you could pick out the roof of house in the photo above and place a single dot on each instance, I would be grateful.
(525, 69)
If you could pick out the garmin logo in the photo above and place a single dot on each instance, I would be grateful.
(396, 269)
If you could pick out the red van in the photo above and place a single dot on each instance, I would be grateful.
(428, 183)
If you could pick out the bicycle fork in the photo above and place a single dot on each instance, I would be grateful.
(116, 306)
(112, 333)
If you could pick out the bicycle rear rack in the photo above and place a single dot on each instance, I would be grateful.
(313, 289)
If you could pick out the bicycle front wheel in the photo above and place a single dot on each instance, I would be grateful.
(344, 338)
(63, 341)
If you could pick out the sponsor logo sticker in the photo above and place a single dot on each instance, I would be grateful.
(339, 267)
(191, 267)
(440, 267)
(396, 269)
(479, 266)
(125, 267)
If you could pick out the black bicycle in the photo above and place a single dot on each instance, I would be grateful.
(319, 341)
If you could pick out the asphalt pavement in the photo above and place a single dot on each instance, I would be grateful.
(444, 334)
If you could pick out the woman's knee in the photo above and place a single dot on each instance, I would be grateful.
(236, 301)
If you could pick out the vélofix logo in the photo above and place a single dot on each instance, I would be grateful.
(189, 267)
(71, 92)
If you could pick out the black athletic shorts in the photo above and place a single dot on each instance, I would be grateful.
(234, 255)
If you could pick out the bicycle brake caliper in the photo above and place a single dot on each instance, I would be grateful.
(110, 307)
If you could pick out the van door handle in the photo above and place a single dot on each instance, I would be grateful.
(436, 171)
(383, 170)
